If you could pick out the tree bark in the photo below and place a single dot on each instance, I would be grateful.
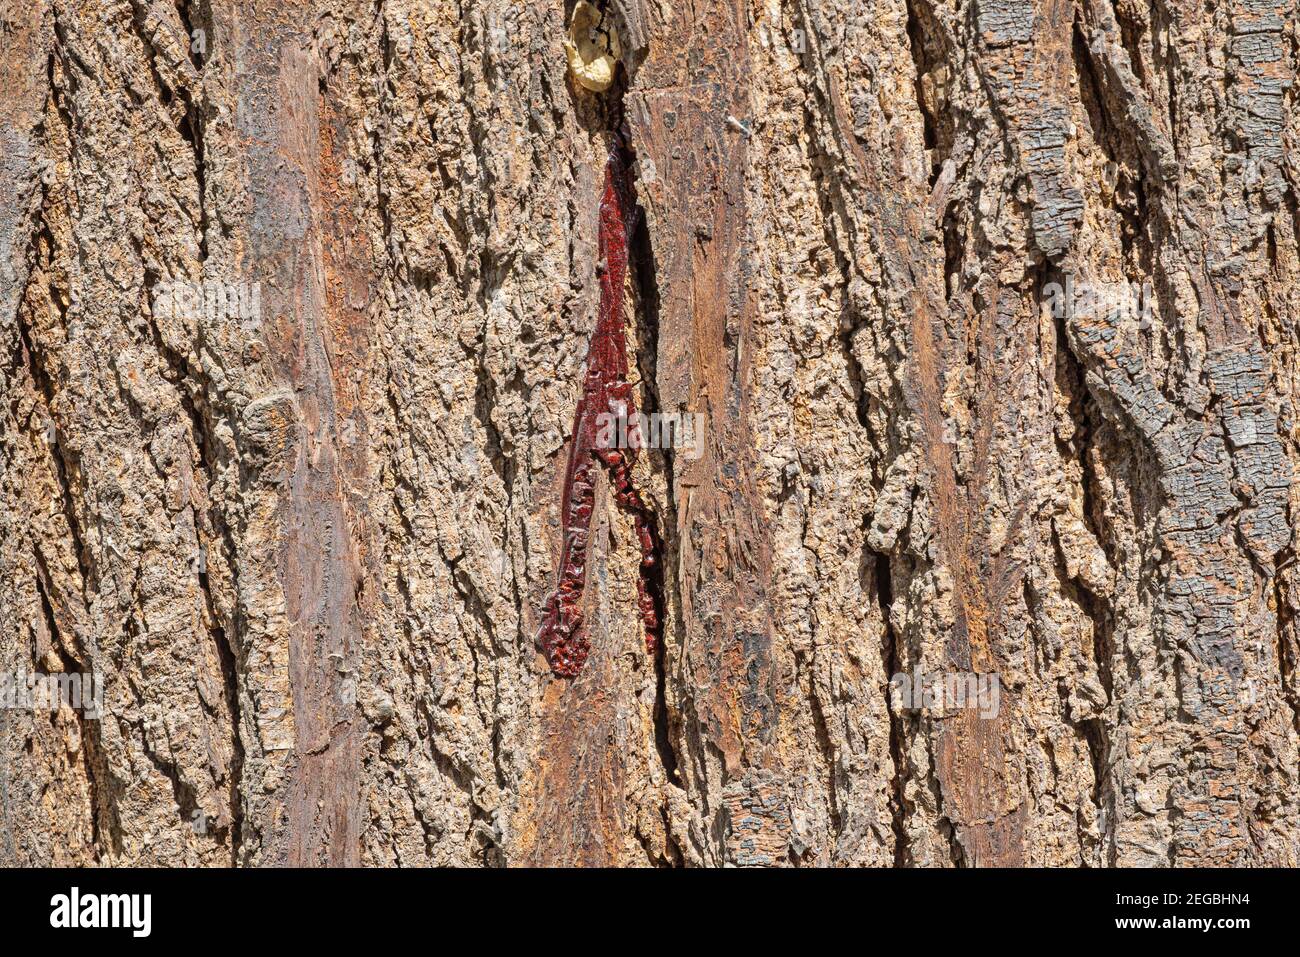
(295, 301)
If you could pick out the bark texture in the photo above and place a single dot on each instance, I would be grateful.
(308, 547)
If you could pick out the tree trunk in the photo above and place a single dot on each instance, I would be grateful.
(989, 310)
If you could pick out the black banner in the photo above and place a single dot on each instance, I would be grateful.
(223, 907)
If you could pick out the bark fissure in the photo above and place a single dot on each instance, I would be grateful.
(643, 272)
(72, 666)
(893, 666)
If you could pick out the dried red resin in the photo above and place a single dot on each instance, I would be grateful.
(605, 391)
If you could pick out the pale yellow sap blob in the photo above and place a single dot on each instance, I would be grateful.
(593, 55)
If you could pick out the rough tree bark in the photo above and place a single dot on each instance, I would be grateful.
(308, 548)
